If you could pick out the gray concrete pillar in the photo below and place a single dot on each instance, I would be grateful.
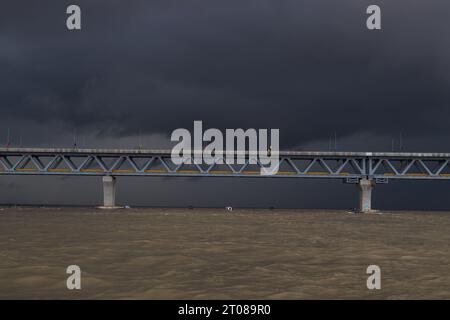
(109, 192)
(365, 195)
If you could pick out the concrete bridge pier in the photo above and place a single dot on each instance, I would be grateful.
(365, 195)
(109, 192)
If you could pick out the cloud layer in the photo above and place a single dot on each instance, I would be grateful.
(306, 67)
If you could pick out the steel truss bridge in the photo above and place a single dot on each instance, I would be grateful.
(362, 168)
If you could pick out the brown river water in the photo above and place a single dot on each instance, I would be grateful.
(153, 253)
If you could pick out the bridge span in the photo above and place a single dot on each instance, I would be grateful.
(365, 169)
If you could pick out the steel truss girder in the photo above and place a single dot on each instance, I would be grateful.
(350, 166)
(95, 164)
(409, 168)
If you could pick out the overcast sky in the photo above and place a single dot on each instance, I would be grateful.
(307, 67)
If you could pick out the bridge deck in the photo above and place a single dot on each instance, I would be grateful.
(165, 152)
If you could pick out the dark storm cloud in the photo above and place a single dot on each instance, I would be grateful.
(306, 67)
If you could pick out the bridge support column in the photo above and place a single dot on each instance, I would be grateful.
(109, 192)
(365, 195)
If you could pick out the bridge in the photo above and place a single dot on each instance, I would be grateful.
(365, 169)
